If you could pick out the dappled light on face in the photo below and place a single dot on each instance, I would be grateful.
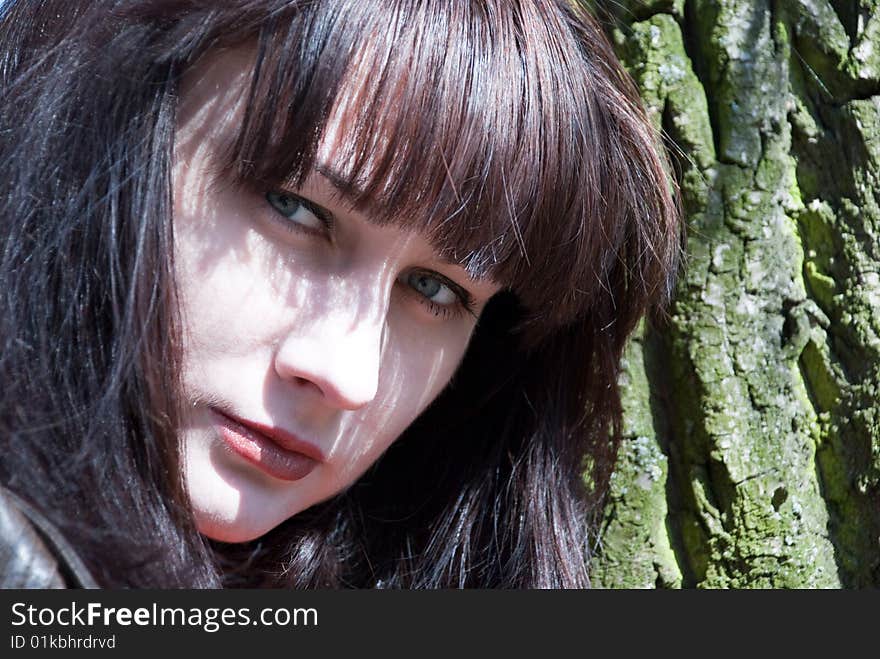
(212, 95)
(357, 434)
(410, 373)
(299, 316)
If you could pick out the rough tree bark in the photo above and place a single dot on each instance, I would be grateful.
(752, 436)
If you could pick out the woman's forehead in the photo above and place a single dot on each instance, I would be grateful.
(349, 154)
(213, 90)
(212, 96)
(470, 145)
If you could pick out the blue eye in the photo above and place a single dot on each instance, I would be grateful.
(433, 288)
(296, 209)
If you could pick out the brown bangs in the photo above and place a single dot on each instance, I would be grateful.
(449, 117)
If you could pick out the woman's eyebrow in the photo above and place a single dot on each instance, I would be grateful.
(340, 182)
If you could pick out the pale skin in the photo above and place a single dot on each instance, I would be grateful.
(338, 331)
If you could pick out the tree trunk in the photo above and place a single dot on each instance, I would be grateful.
(752, 435)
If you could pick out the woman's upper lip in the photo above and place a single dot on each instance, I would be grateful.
(284, 438)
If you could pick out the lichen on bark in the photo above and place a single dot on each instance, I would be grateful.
(752, 445)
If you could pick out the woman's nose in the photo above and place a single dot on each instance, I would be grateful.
(340, 359)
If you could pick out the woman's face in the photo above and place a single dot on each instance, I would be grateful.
(312, 337)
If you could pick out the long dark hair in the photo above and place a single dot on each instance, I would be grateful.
(508, 132)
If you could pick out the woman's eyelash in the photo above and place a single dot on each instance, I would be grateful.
(287, 204)
(278, 199)
(464, 302)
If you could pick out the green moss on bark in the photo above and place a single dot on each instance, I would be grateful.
(636, 550)
(769, 445)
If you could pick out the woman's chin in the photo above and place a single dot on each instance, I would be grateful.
(234, 531)
(229, 514)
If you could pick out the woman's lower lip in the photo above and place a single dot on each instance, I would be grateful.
(262, 452)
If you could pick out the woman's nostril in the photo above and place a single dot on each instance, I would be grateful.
(304, 382)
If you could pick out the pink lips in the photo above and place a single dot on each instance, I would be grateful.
(277, 452)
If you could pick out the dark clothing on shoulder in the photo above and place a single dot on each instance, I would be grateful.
(33, 553)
